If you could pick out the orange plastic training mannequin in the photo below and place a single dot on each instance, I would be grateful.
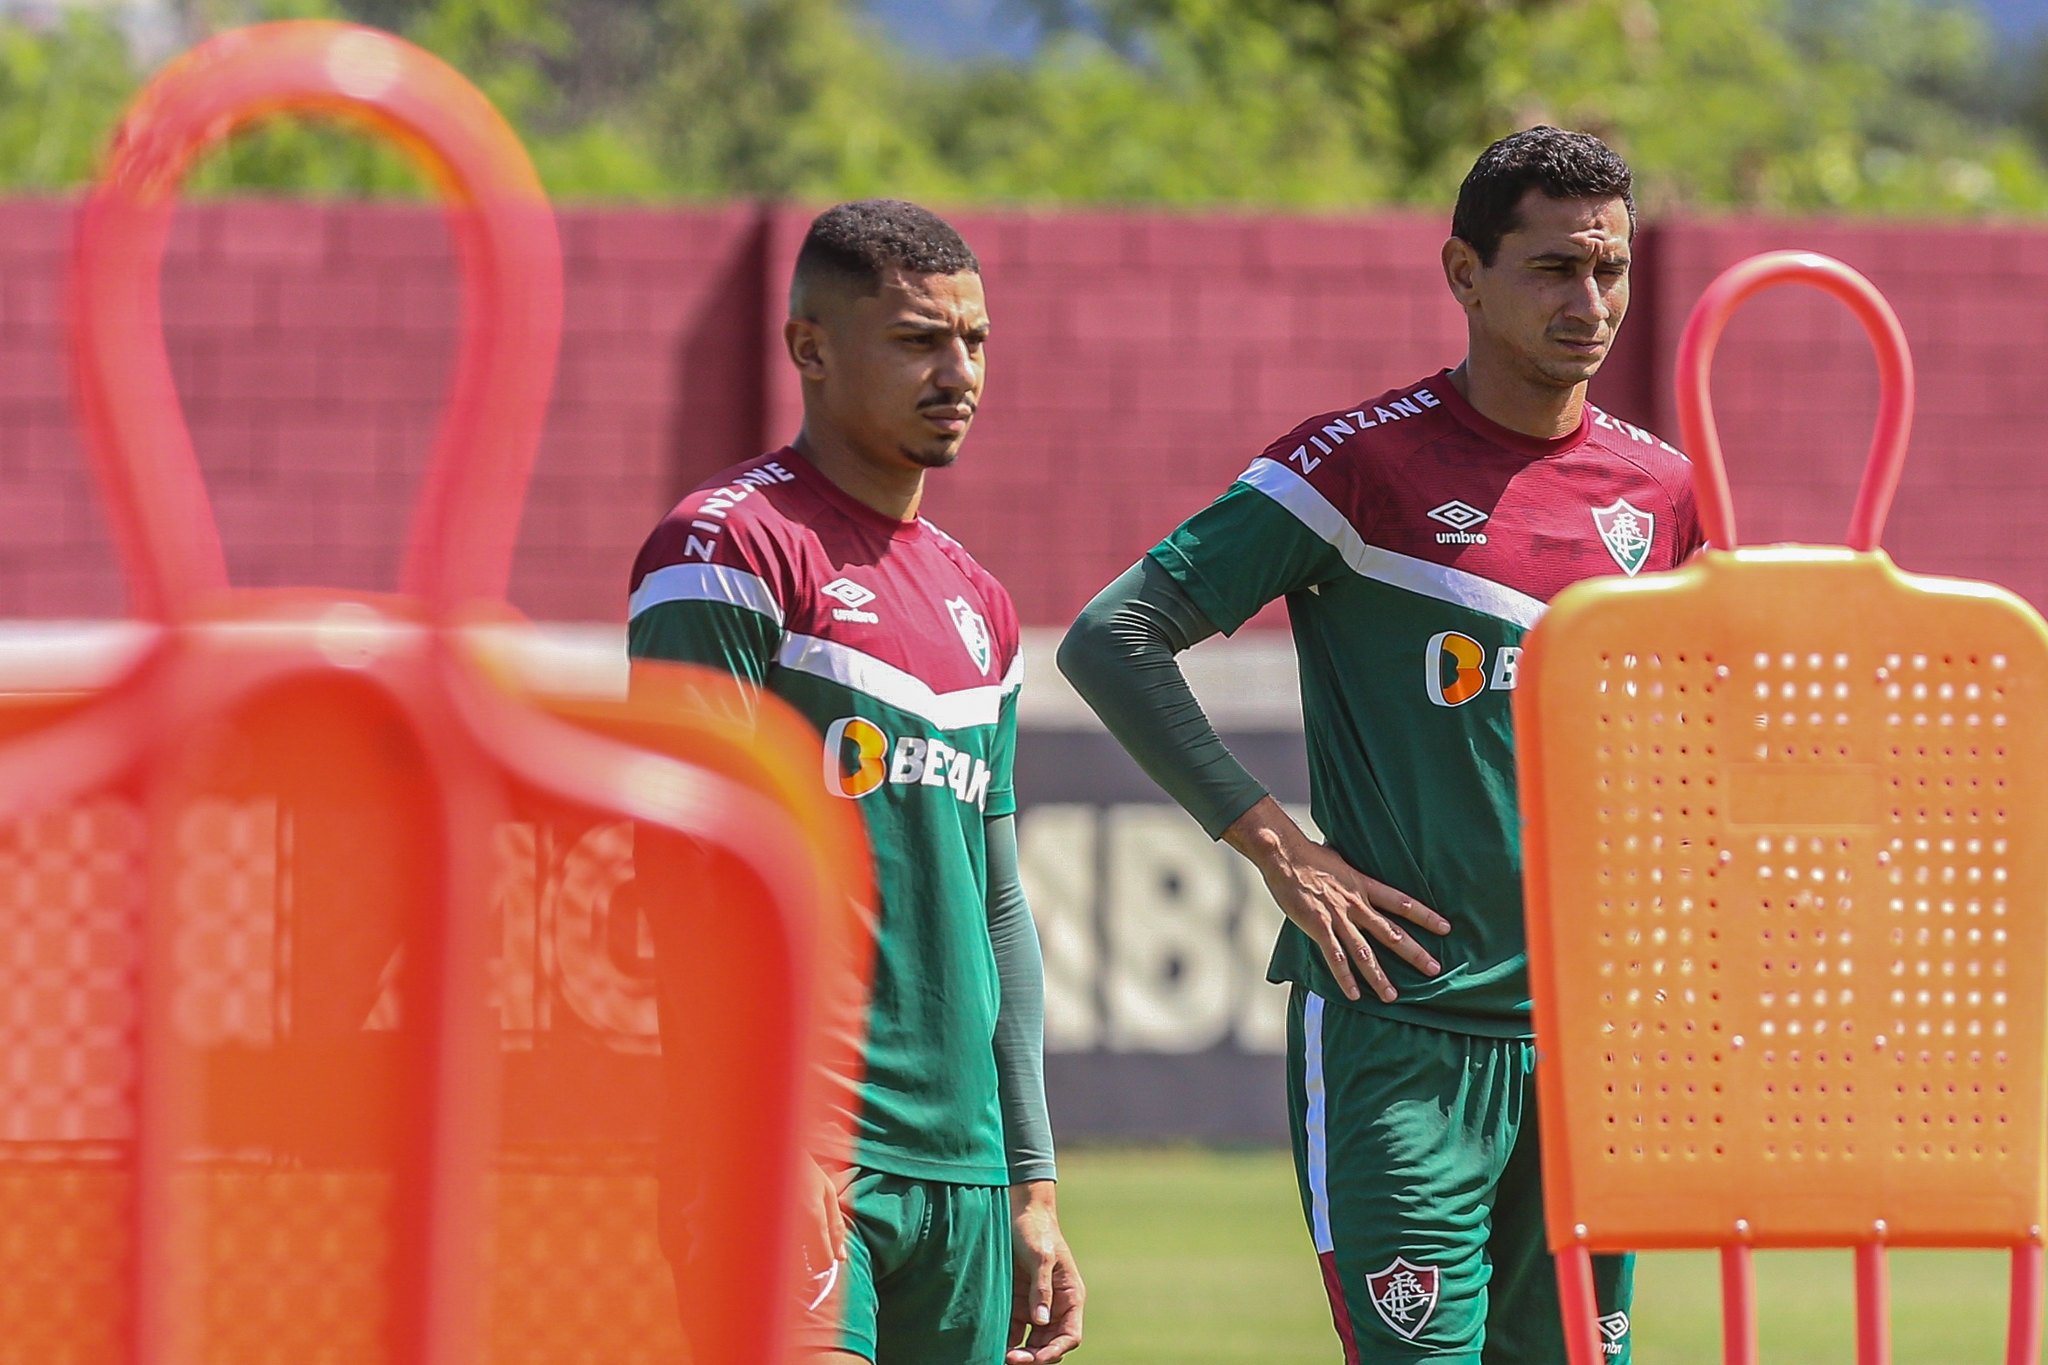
(392, 749)
(1786, 838)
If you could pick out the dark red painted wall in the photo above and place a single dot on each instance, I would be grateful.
(1139, 361)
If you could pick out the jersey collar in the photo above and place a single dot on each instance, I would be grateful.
(1537, 447)
(852, 508)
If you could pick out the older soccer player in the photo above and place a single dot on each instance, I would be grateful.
(1416, 535)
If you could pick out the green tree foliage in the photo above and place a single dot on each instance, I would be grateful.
(1863, 105)
(1869, 106)
(1898, 106)
(60, 92)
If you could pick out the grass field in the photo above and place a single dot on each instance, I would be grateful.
(1200, 1258)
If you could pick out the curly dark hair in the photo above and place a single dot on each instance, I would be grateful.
(854, 244)
(1564, 165)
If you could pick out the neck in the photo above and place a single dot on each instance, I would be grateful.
(895, 492)
(1534, 409)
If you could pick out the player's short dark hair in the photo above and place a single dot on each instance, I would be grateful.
(1564, 165)
(855, 244)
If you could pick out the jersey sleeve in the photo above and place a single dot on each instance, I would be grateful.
(1692, 536)
(1002, 789)
(718, 602)
(1274, 532)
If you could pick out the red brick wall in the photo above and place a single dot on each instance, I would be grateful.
(1796, 390)
(1139, 361)
(312, 345)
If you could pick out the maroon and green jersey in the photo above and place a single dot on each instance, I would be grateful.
(903, 652)
(1416, 543)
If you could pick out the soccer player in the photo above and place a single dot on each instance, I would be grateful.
(1416, 536)
(809, 573)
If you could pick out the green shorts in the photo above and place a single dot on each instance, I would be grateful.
(1420, 1177)
(926, 1279)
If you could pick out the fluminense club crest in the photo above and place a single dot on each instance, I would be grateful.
(1626, 531)
(1404, 1295)
(973, 630)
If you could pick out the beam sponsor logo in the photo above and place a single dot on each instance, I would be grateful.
(1455, 668)
(860, 759)
(855, 754)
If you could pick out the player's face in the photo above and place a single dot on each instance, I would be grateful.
(904, 367)
(1550, 304)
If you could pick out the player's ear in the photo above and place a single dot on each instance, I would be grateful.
(1461, 270)
(804, 339)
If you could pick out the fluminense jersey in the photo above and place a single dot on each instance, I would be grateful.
(903, 652)
(1416, 542)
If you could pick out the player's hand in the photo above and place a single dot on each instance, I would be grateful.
(1344, 911)
(1045, 1306)
(821, 1231)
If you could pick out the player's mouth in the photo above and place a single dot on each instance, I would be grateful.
(950, 418)
(1583, 345)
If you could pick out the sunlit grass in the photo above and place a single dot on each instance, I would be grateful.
(1200, 1258)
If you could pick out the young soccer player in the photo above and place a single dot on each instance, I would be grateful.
(809, 573)
(1416, 537)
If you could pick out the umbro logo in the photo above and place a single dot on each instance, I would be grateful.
(855, 597)
(1613, 1333)
(1461, 517)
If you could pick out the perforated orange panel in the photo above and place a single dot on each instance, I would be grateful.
(69, 886)
(64, 1242)
(330, 1025)
(1787, 821)
(289, 1247)
(575, 1274)
(70, 948)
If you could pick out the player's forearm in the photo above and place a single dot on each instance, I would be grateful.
(1026, 1195)
(1119, 655)
(1266, 835)
(1020, 1019)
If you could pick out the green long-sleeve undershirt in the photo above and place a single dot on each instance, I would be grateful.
(1020, 1020)
(1119, 655)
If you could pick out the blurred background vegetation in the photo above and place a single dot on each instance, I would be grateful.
(1906, 107)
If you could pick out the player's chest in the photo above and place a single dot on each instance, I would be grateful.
(912, 609)
(1537, 527)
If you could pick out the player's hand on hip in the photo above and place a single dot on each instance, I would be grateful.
(1344, 911)
(821, 1227)
(1045, 1306)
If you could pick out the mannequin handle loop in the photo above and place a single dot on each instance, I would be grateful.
(460, 545)
(1735, 286)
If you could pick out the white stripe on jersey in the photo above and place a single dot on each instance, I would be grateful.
(889, 684)
(1316, 1122)
(1445, 584)
(705, 583)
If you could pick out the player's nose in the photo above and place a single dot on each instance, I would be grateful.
(958, 370)
(1588, 302)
